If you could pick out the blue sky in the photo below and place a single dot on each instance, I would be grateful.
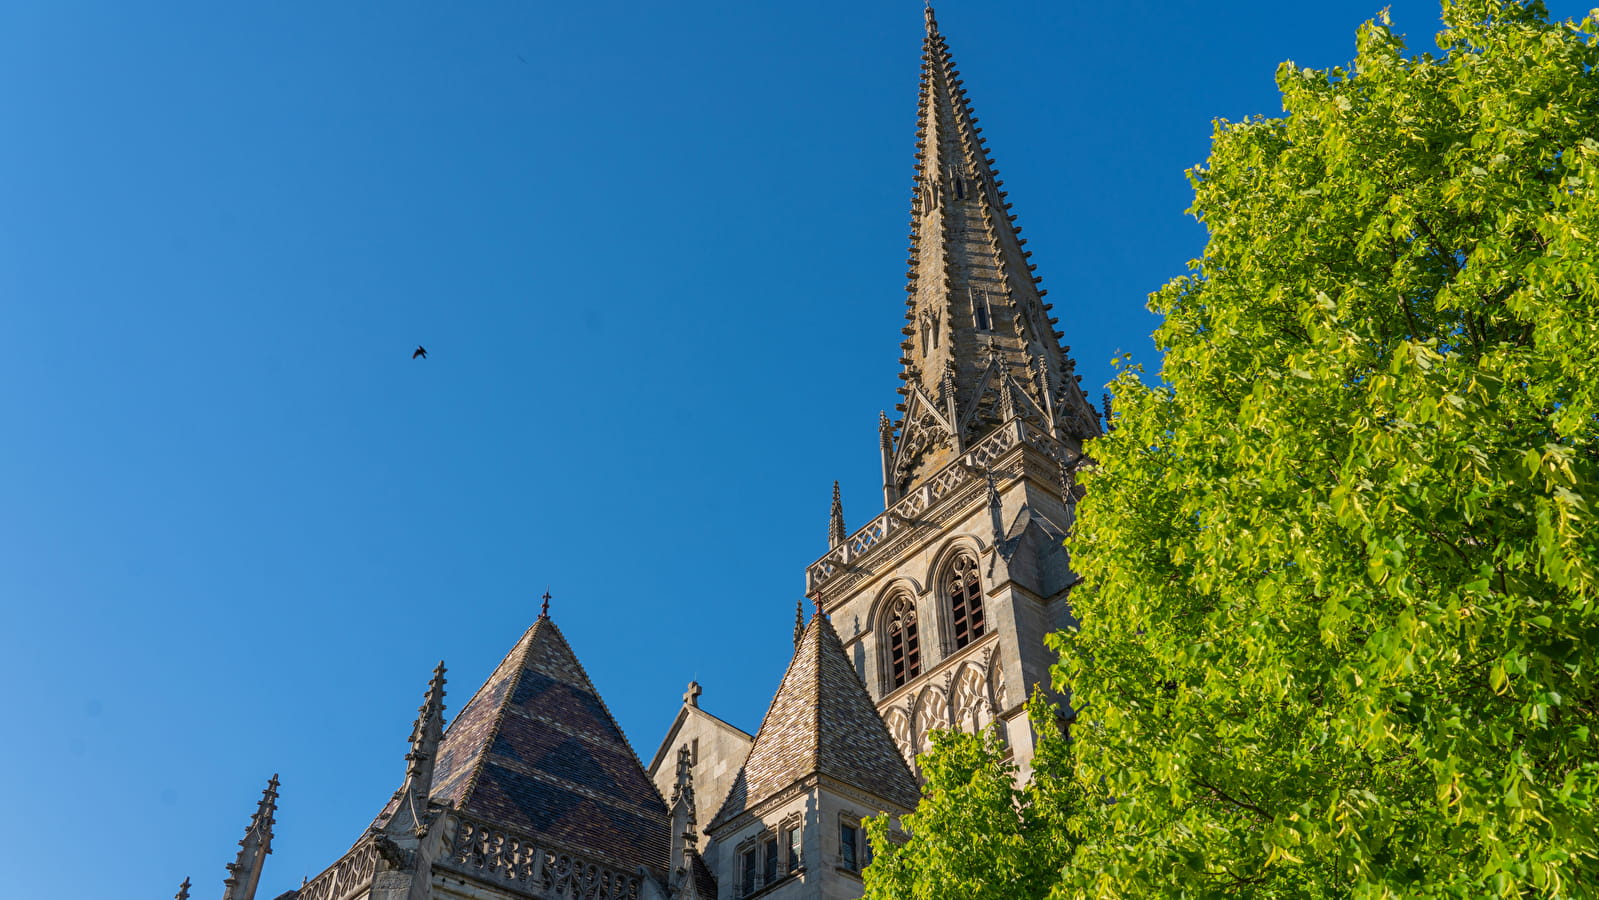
(656, 253)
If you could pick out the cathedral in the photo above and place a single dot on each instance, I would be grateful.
(930, 616)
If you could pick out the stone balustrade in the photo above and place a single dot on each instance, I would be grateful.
(905, 513)
(483, 852)
(349, 877)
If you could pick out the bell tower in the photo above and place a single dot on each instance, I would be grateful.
(943, 600)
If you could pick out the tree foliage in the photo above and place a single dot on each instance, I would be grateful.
(977, 835)
(1340, 567)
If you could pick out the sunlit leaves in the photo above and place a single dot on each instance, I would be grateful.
(977, 835)
(1340, 563)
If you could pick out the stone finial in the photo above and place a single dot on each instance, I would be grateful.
(691, 697)
(544, 608)
(183, 891)
(835, 521)
(1007, 397)
(244, 873)
(799, 621)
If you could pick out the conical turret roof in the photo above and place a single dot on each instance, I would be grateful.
(537, 752)
(977, 327)
(821, 722)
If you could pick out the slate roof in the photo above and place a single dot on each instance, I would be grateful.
(821, 722)
(536, 752)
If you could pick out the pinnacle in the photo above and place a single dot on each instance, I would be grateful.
(836, 533)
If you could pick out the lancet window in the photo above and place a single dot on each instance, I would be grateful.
(965, 601)
(904, 649)
(982, 313)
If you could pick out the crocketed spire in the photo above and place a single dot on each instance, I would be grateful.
(244, 873)
(410, 813)
(980, 344)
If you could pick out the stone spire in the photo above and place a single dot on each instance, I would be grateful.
(835, 520)
(245, 872)
(183, 891)
(799, 621)
(980, 344)
(426, 733)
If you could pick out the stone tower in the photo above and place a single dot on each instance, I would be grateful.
(944, 599)
(931, 616)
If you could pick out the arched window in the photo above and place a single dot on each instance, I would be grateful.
(965, 601)
(904, 650)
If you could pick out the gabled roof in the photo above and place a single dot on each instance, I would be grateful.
(683, 715)
(822, 722)
(535, 751)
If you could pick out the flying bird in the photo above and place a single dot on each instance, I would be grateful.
(420, 351)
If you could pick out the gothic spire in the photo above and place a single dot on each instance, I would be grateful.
(244, 873)
(980, 344)
(799, 621)
(183, 891)
(835, 521)
(426, 733)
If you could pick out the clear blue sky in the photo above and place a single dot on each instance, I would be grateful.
(656, 252)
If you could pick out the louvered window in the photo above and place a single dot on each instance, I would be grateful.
(904, 650)
(966, 601)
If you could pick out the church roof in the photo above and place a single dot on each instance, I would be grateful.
(822, 722)
(536, 751)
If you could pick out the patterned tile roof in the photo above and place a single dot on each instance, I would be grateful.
(821, 722)
(535, 751)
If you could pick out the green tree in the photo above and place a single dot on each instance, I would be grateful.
(976, 834)
(1340, 566)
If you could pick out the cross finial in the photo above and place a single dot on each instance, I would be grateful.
(544, 609)
(691, 697)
